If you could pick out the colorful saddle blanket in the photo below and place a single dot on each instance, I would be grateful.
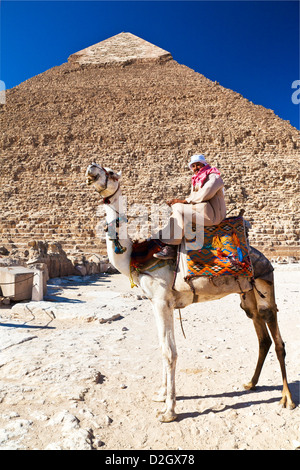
(224, 251)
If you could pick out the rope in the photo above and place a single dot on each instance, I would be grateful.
(254, 287)
(15, 282)
(19, 293)
(44, 310)
(179, 311)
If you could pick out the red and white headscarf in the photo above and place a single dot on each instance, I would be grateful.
(202, 175)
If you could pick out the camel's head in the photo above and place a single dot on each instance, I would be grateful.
(105, 181)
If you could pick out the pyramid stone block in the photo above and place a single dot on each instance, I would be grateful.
(122, 48)
(125, 103)
(16, 282)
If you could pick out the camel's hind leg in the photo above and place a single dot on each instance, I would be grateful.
(263, 311)
(249, 305)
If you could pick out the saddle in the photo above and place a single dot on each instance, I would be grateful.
(142, 253)
(224, 252)
(142, 257)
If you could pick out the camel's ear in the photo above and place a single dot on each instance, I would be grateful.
(119, 174)
(115, 176)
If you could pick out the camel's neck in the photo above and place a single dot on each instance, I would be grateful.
(116, 215)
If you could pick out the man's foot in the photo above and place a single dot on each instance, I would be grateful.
(167, 252)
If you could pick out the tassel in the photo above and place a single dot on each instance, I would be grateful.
(235, 239)
(221, 254)
(238, 246)
(240, 254)
(216, 243)
(132, 283)
(119, 249)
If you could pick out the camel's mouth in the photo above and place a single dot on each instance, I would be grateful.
(90, 178)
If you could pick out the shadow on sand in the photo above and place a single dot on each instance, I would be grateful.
(294, 388)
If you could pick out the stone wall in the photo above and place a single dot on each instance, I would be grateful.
(145, 119)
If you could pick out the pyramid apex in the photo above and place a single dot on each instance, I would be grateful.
(121, 48)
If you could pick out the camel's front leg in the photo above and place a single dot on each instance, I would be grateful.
(161, 394)
(165, 326)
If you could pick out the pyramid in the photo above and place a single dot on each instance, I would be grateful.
(122, 48)
(128, 105)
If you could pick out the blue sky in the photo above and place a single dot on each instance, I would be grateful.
(251, 47)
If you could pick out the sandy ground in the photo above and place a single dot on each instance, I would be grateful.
(77, 381)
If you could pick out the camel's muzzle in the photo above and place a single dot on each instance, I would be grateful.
(90, 177)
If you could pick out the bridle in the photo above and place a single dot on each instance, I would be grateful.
(111, 228)
(106, 200)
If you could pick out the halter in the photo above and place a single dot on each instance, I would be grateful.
(112, 226)
(113, 235)
(106, 200)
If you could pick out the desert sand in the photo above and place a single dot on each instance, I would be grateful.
(78, 371)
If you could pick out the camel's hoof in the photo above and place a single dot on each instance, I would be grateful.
(167, 416)
(249, 386)
(288, 403)
(159, 397)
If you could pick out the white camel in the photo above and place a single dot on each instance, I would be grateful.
(157, 286)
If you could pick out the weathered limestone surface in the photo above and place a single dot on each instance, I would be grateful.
(16, 282)
(144, 118)
(124, 48)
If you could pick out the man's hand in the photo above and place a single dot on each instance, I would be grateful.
(176, 201)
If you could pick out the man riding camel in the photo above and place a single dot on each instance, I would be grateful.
(207, 201)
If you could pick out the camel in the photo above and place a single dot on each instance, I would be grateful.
(158, 287)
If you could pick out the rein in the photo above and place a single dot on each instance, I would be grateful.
(106, 200)
(111, 230)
